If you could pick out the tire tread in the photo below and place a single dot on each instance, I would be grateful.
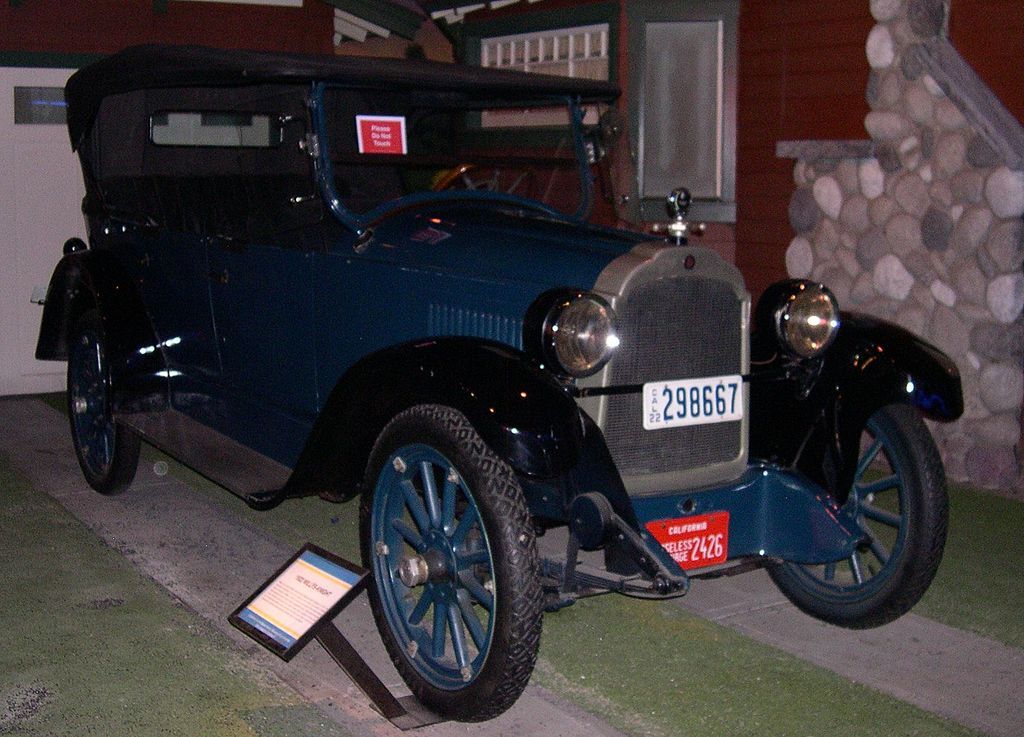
(496, 690)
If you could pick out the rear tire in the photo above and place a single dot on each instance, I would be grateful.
(107, 451)
(465, 635)
(899, 500)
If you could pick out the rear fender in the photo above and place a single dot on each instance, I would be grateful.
(522, 413)
(92, 279)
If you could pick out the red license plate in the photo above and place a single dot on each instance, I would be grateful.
(694, 542)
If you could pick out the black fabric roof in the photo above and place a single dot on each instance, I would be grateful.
(143, 67)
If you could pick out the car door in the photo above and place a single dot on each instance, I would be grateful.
(262, 308)
(263, 224)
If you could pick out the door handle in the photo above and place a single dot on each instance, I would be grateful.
(221, 277)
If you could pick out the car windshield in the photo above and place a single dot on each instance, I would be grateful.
(383, 149)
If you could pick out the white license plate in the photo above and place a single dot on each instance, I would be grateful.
(692, 402)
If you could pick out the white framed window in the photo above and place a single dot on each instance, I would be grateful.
(567, 52)
(580, 52)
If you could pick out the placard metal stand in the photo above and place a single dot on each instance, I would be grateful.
(299, 603)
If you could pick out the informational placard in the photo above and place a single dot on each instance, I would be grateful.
(308, 591)
(381, 134)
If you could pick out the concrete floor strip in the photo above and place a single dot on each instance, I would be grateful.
(211, 561)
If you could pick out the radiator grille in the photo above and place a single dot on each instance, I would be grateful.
(673, 328)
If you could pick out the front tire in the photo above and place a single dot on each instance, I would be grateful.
(107, 451)
(899, 500)
(448, 538)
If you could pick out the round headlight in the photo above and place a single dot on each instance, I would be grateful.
(582, 334)
(808, 321)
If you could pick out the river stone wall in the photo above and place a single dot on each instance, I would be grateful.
(923, 225)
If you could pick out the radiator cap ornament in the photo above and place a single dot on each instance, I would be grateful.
(678, 205)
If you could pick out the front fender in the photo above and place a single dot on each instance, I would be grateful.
(812, 416)
(521, 412)
(884, 363)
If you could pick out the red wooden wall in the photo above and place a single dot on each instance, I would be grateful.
(105, 26)
(989, 34)
(802, 75)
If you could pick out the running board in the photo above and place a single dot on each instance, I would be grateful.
(257, 479)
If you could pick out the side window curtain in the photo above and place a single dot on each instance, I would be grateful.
(228, 163)
(113, 156)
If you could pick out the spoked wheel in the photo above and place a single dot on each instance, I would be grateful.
(448, 538)
(108, 452)
(899, 501)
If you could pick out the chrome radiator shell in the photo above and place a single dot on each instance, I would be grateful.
(683, 312)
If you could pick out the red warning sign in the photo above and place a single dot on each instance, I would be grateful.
(381, 134)
(694, 542)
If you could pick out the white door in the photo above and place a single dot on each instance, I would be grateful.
(41, 194)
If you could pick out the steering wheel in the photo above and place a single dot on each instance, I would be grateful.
(486, 179)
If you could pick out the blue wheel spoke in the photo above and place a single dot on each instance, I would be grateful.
(865, 460)
(882, 516)
(858, 574)
(879, 551)
(476, 590)
(440, 625)
(876, 546)
(415, 505)
(409, 535)
(458, 637)
(475, 557)
(830, 571)
(448, 503)
(420, 610)
(875, 487)
(476, 628)
(463, 528)
(430, 494)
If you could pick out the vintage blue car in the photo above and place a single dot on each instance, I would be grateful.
(376, 278)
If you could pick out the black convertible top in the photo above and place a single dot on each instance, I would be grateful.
(153, 66)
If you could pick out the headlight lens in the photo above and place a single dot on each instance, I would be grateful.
(583, 335)
(808, 321)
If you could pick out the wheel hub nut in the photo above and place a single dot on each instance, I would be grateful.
(414, 571)
(80, 406)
